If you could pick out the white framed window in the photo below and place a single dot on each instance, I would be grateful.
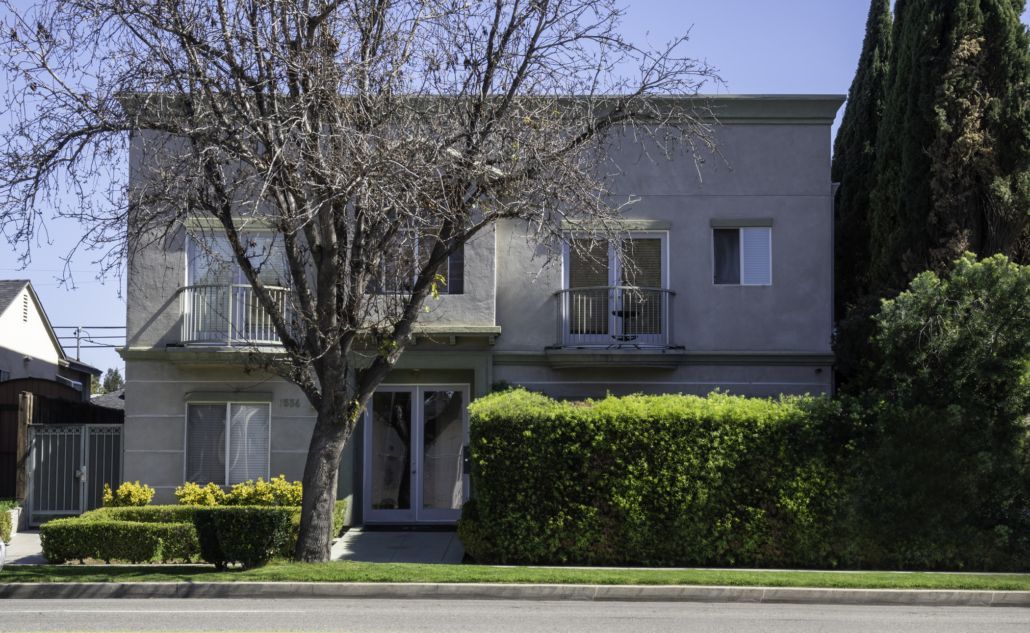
(227, 442)
(640, 260)
(742, 256)
(210, 260)
(616, 294)
(398, 275)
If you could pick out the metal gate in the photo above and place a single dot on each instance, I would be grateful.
(69, 466)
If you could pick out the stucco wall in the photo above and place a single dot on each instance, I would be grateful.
(777, 172)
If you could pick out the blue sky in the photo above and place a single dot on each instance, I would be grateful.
(787, 46)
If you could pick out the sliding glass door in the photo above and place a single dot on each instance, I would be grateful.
(414, 450)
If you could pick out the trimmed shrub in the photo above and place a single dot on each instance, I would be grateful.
(108, 540)
(247, 535)
(128, 494)
(656, 480)
(339, 517)
(5, 526)
(274, 492)
(148, 514)
(191, 494)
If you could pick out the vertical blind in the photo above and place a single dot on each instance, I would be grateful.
(205, 443)
(248, 442)
(208, 428)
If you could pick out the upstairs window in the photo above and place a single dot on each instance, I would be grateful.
(210, 260)
(742, 255)
(397, 275)
(227, 442)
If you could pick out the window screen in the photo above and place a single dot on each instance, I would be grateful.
(248, 442)
(754, 260)
(243, 438)
(205, 443)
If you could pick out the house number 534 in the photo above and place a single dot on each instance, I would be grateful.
(289, 403)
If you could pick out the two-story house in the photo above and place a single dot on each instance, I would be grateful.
(724, 280)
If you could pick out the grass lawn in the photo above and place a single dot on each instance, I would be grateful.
(403, 572)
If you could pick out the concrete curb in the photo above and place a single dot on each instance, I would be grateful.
(444, 591)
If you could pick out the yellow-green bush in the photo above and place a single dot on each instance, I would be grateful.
(129, 493)
(274, 492)
(191, 494)
(5, 526)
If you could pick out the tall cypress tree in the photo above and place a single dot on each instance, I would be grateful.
(980, 153)
(953, 149)
(854, 156)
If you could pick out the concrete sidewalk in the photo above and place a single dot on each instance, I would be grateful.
(400, 546)
(25, 549)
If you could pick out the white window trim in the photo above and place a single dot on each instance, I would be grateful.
(740, 254)
(228, 419)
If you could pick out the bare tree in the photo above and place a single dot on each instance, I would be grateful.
(375, 137)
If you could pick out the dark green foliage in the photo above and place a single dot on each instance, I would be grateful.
(249, 535)
(953, 151)
(945, 479)
(655, 480)
(81, 538)
(854, 156)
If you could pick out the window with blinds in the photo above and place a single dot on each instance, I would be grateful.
(212, 262)
(398, 274)
(227, 443)
(742, 256)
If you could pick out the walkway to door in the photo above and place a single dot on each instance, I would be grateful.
(407, 546)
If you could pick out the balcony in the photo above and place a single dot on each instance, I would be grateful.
(615, 317)
(230, 315)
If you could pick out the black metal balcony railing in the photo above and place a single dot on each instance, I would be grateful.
(230, 315)
(615, 317)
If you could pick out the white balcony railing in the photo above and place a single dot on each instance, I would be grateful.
(230, 315)
(615, 317)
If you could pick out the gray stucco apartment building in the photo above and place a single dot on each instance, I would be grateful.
(732, 289)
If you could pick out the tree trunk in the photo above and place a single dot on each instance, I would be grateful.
(320, 478)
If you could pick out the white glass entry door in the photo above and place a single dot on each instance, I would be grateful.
(414, 454)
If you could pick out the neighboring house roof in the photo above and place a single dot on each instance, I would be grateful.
(112, 400)
(10, 289)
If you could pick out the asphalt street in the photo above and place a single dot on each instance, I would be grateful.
(490, 616)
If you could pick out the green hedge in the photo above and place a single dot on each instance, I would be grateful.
(249, 535)
(103, 539)
(655, 480)
(5, 526)
(144, 514)
(185, 515)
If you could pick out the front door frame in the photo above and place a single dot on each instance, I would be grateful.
(415, 514)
